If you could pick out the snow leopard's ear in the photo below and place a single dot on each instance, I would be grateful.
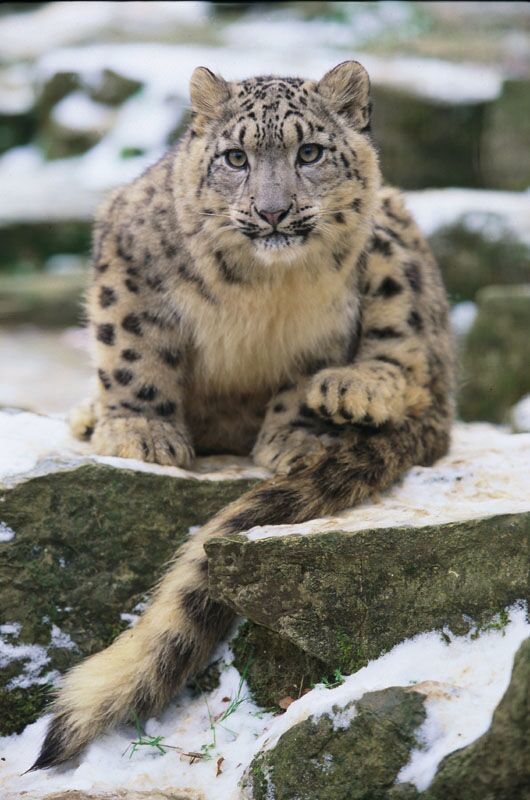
(209, 94)
(346, 89)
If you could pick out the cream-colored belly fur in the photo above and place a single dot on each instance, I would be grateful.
(260, 339)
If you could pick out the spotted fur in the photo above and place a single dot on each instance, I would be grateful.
(286, 308)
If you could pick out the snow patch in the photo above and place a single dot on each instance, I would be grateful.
(6, 533)
(78, 112)
(463, 316)
(485, 473)
(36, 445)
(463, 681)
(436, 208)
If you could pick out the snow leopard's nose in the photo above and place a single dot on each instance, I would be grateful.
(272, 217)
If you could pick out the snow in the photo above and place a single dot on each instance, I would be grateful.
(35, 445)
(463, 681)
(29, 35)
(6, 533)
(77, 111)
(520, 415)
(435, 208)
(486, 472)
(463, 316)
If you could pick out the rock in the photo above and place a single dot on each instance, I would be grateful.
(446, 138)
(126, 795)
(50, 300)
(358, 749)
(113, 89)
(496, 766)
(505, 157)
(353, 754)
(478, 250)
(274, 667)
(440, 550)
(82, 539)
(75, 125)
(26, 246)
(497, 354)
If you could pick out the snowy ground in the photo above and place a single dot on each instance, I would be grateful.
(463, 681)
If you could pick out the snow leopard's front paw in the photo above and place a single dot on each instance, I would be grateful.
(361, 393)
(144, 439)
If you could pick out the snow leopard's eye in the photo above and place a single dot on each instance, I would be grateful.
(309, 153)
(237, 159)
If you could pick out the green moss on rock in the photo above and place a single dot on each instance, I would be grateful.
(479, 250)
(274, 667)
(89, 544)
(26, 246)
(446, 140)
(496, 356)
(344, 598)
(325, 760)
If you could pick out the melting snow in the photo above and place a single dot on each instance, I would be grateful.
(6, 533)
(463, 681)
(486, 472)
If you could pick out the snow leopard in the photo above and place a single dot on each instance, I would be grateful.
(260, 291)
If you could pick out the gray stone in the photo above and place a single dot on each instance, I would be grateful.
(320, 760)
(345, 598)
(88, 544)
(496, 356)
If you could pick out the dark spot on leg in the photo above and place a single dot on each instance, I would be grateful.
(384, 333)
(104, 378)
(415, 321)
(148, 392)
(389, 288)
(107, 297)
(132, 324)
(413, 275)
(132, 286)
(165, 409)
(339, 217)
(123, 376)
(278, 408)
(130, 355)
(171, 357)
(105, 333)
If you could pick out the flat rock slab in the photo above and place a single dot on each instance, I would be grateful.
(82, 540)
(448, 547)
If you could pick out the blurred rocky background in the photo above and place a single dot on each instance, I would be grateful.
(92, 93)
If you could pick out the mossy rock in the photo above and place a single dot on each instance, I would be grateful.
(16, 129)
(60, 141)
(275, 668)
(425, 143)
(356, 752)
(505, 157)
(113, 89)
(479, 250)
(26, 246)
(329, 759)
(46, 300)
(347, 597)
(54, 89)
(496, 357)
(89, 543)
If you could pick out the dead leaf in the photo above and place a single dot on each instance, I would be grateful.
(219, 765)
(285, 702)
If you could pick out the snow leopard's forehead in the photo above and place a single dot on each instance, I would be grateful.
(272, 111)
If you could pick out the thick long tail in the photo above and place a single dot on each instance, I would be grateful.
(149, 663)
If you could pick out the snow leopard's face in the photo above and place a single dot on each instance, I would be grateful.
(286, 161)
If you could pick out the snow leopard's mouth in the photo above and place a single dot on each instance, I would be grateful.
(277, 241)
